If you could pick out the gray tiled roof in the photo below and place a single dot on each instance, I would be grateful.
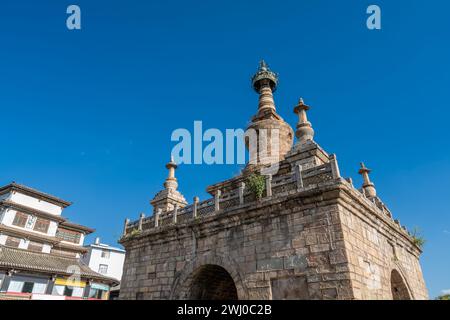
(46, 263)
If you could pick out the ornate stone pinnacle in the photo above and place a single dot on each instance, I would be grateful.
(301, 106)
(168, 198)
(368, 187)
(171, 181)
(171, 164)
(263, 65)
(304, 130)
(264, 77)
(363, 169)
(273, 136)
(265, 82)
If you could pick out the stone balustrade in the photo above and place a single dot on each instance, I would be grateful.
(377, 205)
(280, 185)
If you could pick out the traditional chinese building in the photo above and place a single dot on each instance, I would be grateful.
(40, 250)
(311, 235)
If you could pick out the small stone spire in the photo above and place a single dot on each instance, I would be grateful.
(265, 83)
(304, 130)
(171, 181)
(167, 199)
(368, 187)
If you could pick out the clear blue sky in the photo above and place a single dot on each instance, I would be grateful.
(87, 115)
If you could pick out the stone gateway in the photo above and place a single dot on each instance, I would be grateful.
(312, 234)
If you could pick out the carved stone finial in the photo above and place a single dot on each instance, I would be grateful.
(263, 65)
(368, 187)
(304, 130)
(171, 181)
(363, 168)
(169, 197)
(195, 207)
(125, 226)
(141, 221)
(264, 77)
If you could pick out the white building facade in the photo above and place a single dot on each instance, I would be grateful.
(105, 259)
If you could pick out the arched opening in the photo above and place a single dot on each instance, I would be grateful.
(398, 287)
(212, 282)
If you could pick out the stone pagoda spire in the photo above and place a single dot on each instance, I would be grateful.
(171, 181)
(274, 136)
(368, 187)
(265, 83)
(170, 197)
(304, 130)
(306, 152)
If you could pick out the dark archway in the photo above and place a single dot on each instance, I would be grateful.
(212, 282)
(398, 286)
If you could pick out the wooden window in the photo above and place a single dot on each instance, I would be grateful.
(27, 287)
(58, 290)
(103, 269)
(97, 294)
(35, 246)
(31, 221)
(41, 225)
(68, 235)
(20, 219)
(12, 242)
(68, 291)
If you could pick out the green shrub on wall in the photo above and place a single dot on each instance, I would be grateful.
(257, 184)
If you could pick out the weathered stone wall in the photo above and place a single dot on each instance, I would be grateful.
(291, 248)
(376, 246)
(314, 236)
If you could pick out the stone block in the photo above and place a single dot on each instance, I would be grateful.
(269, 264)
(338, 256)
(295, 287)
(319, 248)
(298, 262)
(259, 293)
(329, 294)
(311, 239)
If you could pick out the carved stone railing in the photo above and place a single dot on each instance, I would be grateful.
(281, 184)
(378, 206)
(316, 175)
(205, 207)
